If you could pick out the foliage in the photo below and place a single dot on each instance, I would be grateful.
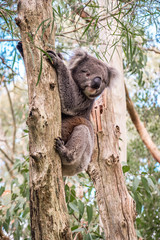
(138, 30)
(143, 177)
(82, 207)
(15, 202)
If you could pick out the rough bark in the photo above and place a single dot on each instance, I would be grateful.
(48, 209)
(141, 129)
(117, 208)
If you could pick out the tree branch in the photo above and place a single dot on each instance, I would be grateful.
(153, 49)
(84, 15)
(14, 121)
(9, 169)
(3, 61)
(141, 128)
(5, 154)
(9, 40)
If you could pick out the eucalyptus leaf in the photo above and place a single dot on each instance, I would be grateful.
(89, 213)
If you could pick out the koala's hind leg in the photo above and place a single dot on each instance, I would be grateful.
(76, 153)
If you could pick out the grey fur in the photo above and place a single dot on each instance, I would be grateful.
(80, 83)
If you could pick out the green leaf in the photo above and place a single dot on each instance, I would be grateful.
(2, 189)
(41, 24)
(130, 45)
(74, 207)
(145, 184)
(6, 226)
(150, 183)
(26, 130)
(98, 235)
(87, 27)
(81, 209)
(40, 71)
(89, 213)
(14, 59)
(5, 19)
(73, 195)
(87, 237)
(125, 168)
(59, 10)
(78, 230)
(44, 28)
(26, 211)
(139, 202)
(136, 182)
(14, 196)
(74, 227)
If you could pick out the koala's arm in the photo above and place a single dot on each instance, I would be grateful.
(70, 94)
(72, 99)
(76, 153)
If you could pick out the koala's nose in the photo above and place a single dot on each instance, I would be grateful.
(96, 83)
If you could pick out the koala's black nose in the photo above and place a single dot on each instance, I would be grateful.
(96, 83)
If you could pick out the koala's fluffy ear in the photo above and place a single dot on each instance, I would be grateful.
(78, 57)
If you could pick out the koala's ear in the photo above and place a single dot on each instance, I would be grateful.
(78, 57)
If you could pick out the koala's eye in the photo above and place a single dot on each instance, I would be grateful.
(83, 70)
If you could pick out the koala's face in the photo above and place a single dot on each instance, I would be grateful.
(91, 75)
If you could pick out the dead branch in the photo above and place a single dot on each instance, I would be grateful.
(141, 128)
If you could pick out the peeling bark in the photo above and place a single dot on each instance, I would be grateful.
(48, 209)
(141, 129)
(117, 208)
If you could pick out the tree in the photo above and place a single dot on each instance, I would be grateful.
(142, 178)
(105, 170)
(47, 204)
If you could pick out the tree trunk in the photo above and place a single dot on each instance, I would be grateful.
(116, 207)
(48, 209)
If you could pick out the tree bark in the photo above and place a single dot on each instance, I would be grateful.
(113, 54)
(48, 209)
(116, 207)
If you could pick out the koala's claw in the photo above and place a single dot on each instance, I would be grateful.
(53, 57)
(50, 53)
(58, 144)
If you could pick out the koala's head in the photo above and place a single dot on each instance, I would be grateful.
(91, 75)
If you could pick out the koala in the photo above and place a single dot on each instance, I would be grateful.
(79, 83)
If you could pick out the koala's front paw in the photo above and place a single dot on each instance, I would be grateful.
(59, 145)
(53, 58)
